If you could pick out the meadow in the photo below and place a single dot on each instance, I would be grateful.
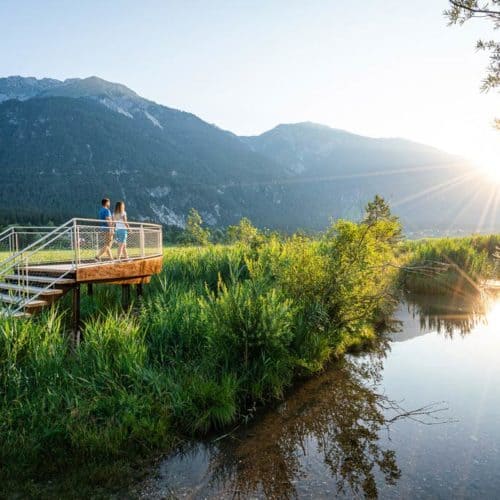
(222, 331)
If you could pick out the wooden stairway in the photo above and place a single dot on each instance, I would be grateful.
(28, 290)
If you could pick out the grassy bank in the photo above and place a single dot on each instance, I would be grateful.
(221, 331)
(456, 265)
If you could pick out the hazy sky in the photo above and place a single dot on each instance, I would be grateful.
(375, 67)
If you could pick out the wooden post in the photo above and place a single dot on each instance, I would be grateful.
(125, 296)
(76, 316)
(90, 290)
(139, 290)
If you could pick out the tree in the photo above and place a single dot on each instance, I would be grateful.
(194, 233)
(379, 210)
(464, 10)
(244, 232)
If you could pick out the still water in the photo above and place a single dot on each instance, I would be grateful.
(419, 417)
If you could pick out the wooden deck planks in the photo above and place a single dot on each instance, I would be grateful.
(135, 271)
(124, 272)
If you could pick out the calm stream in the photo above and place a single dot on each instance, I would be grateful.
(417, 418)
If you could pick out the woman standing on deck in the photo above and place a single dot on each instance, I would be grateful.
(121, 229)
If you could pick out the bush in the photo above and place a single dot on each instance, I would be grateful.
(466, 261)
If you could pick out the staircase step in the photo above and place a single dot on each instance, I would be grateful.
(48, 269)
(30, 290)
(6, 313)
(32, 278)
(13, 299)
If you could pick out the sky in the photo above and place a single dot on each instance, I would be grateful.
(383, 68)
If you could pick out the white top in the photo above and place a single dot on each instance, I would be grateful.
(120, 218)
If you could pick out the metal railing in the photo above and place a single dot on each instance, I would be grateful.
(24, 250)
(79, 241)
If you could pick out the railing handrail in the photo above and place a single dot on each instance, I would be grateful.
(60, 230)
(6, 233)
(100, 221)
(77, 219)
(34, 244)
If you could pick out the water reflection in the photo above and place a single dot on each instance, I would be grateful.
(337, 417)
(337, 414)
(449, 315)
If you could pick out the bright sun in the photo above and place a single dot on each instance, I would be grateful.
(490, 167)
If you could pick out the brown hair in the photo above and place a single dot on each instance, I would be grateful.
(104, 201)
(119, 207)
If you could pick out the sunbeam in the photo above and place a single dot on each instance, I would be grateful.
(444, 186)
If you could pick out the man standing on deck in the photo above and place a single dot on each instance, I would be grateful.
(106, 229)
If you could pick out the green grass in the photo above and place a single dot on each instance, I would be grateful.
(221, 330)
(469, 260)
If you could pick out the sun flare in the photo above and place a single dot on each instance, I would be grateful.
(489, 166)
(493, 317)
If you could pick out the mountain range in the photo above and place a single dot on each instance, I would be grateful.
(66, 144)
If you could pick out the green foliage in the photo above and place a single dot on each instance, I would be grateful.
(463, 10)
(243, 232)
(194, 233)
(250, 329)
(378, 210)
(465, 262)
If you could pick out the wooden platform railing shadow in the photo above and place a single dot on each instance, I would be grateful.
(39, 265)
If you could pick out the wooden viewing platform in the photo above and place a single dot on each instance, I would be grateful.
(40, 265)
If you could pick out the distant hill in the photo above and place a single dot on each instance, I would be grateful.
(63, 145)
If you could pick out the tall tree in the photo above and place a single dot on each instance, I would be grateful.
(244, 232)
(194, 232)
(462, 11)
(379, 210)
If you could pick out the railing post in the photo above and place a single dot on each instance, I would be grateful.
(76, 327)
(76, 242)
(141, 239)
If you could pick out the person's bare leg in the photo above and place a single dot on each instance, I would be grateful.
(109, 244)
(125, 253)
(100, 253)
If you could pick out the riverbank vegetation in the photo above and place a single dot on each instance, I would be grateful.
(449, 265)
(222, 331)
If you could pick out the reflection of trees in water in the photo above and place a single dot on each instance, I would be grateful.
(448, 314)
(339, 413)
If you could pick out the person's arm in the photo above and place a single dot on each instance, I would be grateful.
(126, 221)
(109, 220)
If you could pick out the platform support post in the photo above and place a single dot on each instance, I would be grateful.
(90, 290)
(76, 333)
(125, 296)
(139, 290)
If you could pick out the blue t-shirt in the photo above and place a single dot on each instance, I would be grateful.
(103, 214)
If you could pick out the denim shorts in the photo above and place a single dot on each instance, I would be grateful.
(121, 235)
